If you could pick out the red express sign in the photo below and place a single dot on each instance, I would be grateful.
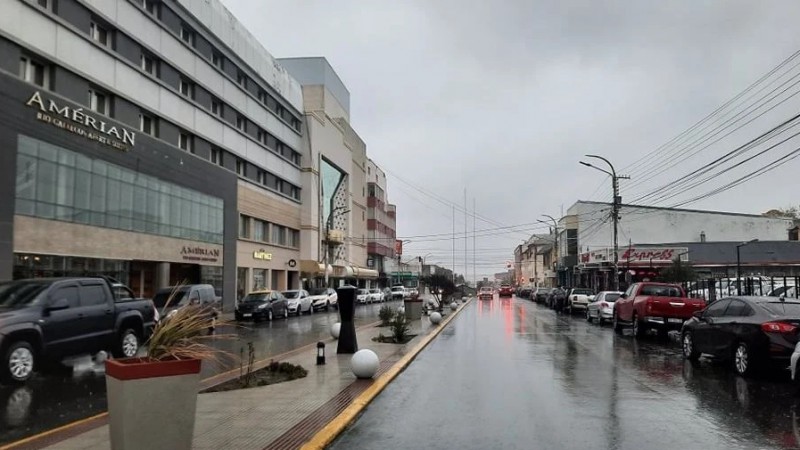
(651, 253)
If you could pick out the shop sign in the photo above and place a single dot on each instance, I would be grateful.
(262, 255)
(292, 263)
(398, 247)
(641, 254)
(595, 256)
(80, 122)
(200, 254)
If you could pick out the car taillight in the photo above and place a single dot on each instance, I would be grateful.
(778, 327)
(604, 305)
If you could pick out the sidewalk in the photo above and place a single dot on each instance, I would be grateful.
(285, 415)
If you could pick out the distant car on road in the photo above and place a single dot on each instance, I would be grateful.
(263, 304)
(324, 298)
(505, 291)
(398, 292)
(540, 294)
(601, 308)
(578, 299)
(299, 302)
(486, 293)
(747, 331)
(376, 295)
(363, 297)
(659, 306)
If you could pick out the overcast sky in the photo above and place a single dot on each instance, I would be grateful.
(503, 99)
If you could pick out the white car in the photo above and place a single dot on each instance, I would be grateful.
(398, 292)
(579, 299)
(324, 298)
(793, 362)
(363, 297)
(601, 308)
(298, 302)
(376, 295)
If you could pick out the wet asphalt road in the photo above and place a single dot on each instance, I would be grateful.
(509, 374)
(55, 399)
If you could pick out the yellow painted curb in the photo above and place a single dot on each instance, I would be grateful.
(335, 427)
(71, 425)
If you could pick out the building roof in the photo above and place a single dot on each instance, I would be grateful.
(755, 253)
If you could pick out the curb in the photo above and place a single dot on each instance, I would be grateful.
(51, 437)
(339, 424)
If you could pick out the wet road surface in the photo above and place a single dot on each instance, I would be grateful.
(55, 399)
(509, 374)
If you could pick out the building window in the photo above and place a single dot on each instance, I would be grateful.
(216, 107)
(261, 135)
(294, 238)
(98, 101)
(262, 177)
(241, 78)
(187, 88)
(216, 157)
(262, 96)
(43, 3)
(296, 123)
(244, 227)
(34, 72)
(98, 33)
(295, 193)
(241, 167)
(185, 142)
(258, 230)
(148, 64)
(147, 124)
(187, 35)
(278, 234)
(149, 6)
(216, 59)
(241, 123)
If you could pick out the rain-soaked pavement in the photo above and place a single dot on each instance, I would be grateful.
(52, 400)
(508, 374)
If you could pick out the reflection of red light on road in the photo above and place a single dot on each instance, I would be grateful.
(508, 314)
(521, 319)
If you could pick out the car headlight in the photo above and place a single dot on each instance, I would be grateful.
(262, 306)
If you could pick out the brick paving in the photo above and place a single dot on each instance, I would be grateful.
(280, 416)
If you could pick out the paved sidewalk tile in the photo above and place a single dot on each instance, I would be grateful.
(253, 418)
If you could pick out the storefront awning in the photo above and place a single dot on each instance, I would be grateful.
(363, 272)
(312, 267)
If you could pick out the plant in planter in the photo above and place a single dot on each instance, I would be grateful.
(400, 329)
(385, 314)
(161, 388)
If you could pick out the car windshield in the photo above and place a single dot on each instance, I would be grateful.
(165, 297)
(16, 294)
(787, 309)
(610, 297)
(362, 292)
(375, 291)
(486, 289)
(661, 291)
(291, 294)
(582, 292)
(318, 291)
(255, 298)
(398, 288)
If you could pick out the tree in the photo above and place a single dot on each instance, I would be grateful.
(792, 212)
(440, 286)
(678, 272)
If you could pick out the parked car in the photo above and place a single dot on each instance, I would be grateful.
(48, 319)
(505, 291)
(540, 294)
(659, 306)
(298, 301)
(578, 299)
(324, 298)
(363, 297)
(398, 292)
(748, 331)
(486, 293)
(170, 299)
(525, 292)
(263, 304)
(376, 296)
(601, 308)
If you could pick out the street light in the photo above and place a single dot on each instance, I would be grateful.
(739, 265)
(614, 209)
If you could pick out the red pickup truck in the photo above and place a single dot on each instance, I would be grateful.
(658, 306)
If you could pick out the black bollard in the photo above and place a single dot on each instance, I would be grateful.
(347, 308)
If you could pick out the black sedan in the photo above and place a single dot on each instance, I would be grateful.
(263, 304)
(748, 331)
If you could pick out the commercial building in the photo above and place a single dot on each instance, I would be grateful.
(381, 224)
(334, 224)
(532, 261)
(153, 141)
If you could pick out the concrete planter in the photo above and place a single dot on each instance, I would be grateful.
(152, 404)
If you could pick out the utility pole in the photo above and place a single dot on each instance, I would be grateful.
(474, 219)
(555, 240)
(466, 236)
(454, 244)
(615, 206)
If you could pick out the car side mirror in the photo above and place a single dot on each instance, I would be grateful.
(58, 304)
(698, 315)
(623, 296)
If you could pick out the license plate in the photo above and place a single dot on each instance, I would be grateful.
(675, 320)
(247, 315)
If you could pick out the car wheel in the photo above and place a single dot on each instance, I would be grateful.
(742, 359)
(637, 327)
(689, 350)
(19, 363)
(286, 313)
(588, 316)
(599, 319)
(327, 305)
(128, 345)
(616, 325)
(269, 315)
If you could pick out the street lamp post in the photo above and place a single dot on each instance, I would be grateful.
(328, 224)
(555, 237)
(614, 208)
(739, 265)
